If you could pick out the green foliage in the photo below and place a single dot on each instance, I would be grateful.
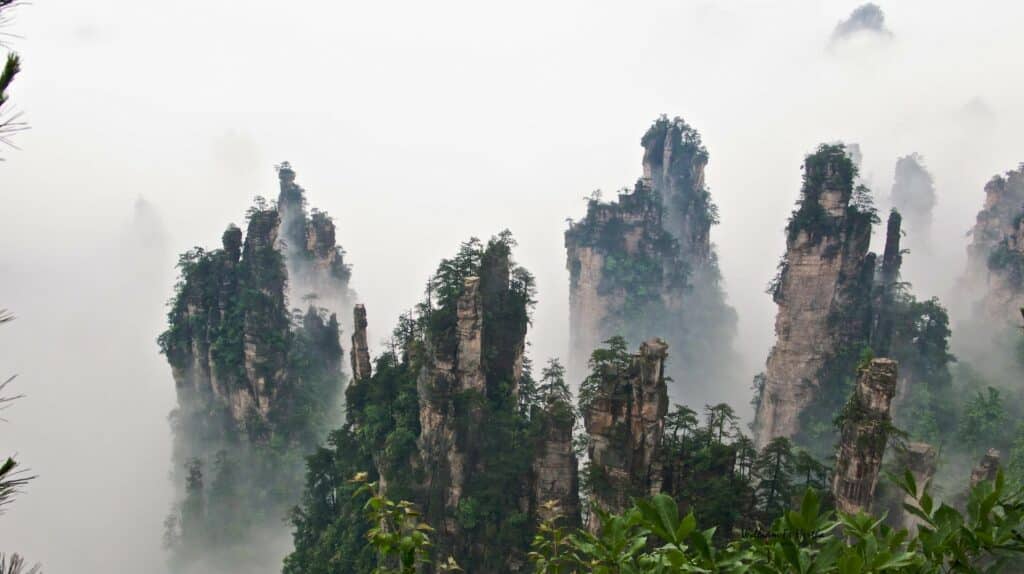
(830, 168)
(653, 537)
(983, 422)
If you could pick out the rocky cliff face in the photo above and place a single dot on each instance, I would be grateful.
(625, 419)
(996, 254)
(865, 430)
(645, 265)
(823, 293)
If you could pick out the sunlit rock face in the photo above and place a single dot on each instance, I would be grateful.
(823, 293)
(996, 254)
(625, 422)
(644, 266)
(865, 431)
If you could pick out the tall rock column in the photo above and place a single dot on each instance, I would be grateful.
(361, 369)
(555, 467)
(644, 265)
(625, 421)
(823, 292)
(866, 424)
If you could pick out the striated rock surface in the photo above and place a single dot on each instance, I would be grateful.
(865, 431)
(361, 368)
(995, 257)
(823, 293)
(645, 264)
(625, 421)
(987, 468)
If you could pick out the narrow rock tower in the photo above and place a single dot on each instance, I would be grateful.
(866, 425)
(625, 421)
(823, 292)
(644, 266)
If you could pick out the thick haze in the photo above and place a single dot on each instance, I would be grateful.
(417, 125)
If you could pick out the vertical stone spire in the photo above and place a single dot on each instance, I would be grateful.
(823, 286)
(866, 424)
(625, 421)
(361, 369)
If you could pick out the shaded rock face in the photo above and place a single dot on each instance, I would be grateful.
(317, 271)
(987, 468)
(866, 424)
(823, 293)
(625, 422)
(920, 459)
(913, 195)
(361, 368)
(555, 467)
(995, 257)
(644, 265)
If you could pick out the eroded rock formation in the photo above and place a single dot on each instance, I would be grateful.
(555, 467)
(625, 421)
(361, 368)
(644, 265)
(865, 431)
(230, 337)
(996, 254)
(254, 381)
(823, 292)
(987, 468)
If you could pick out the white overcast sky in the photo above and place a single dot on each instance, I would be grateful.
(417, 125)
